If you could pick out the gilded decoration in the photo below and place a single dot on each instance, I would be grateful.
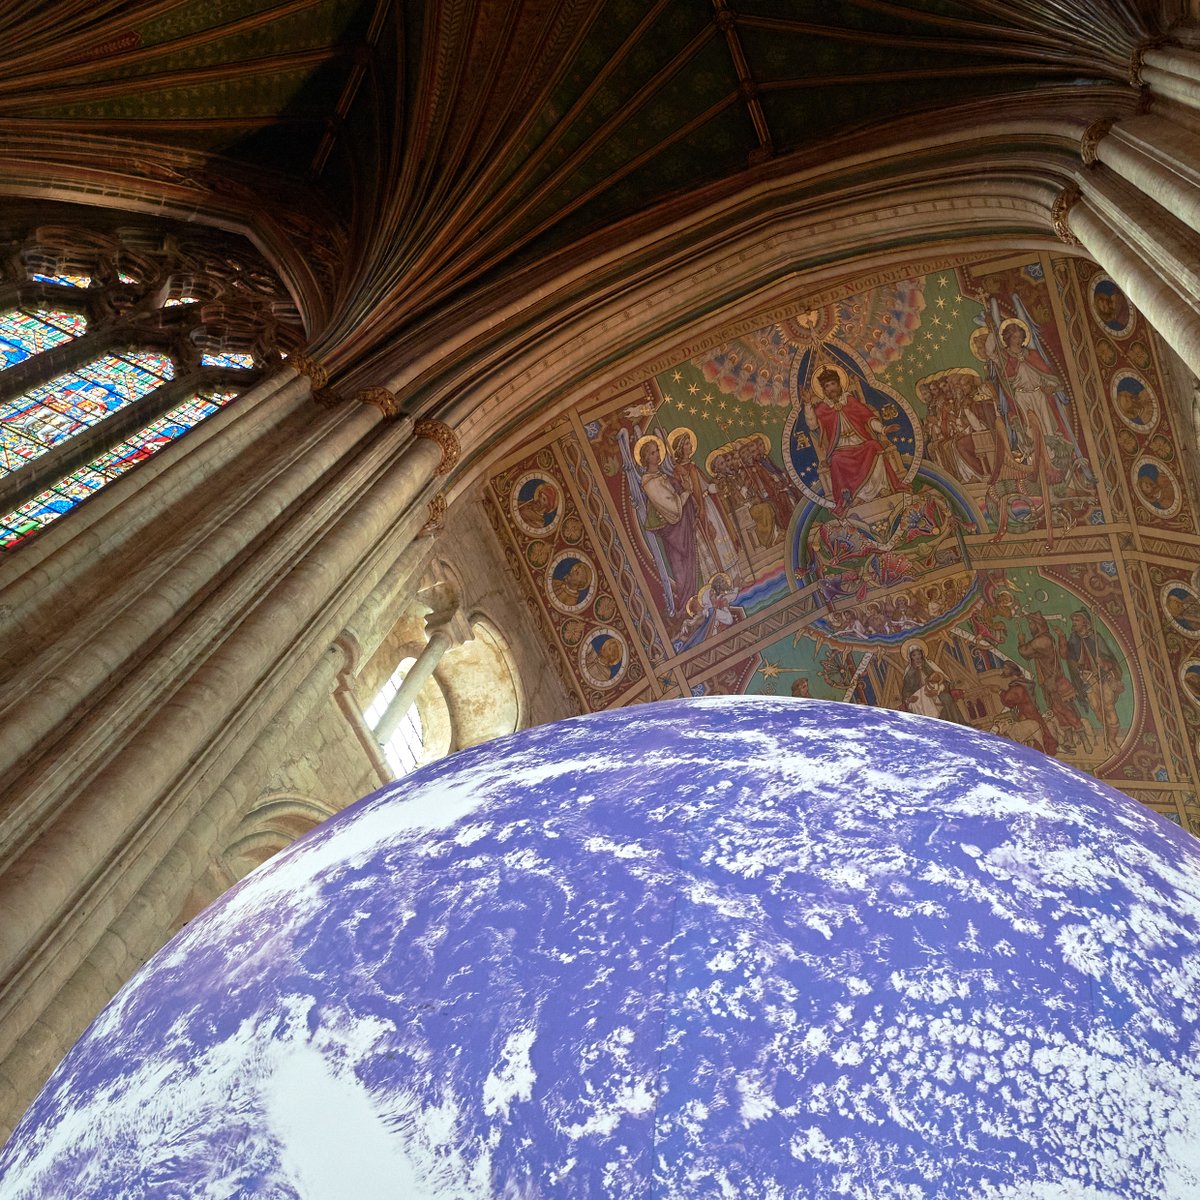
(929, 495)
(436, 518)
(382, 399)
(1060, 211)
(446, 438)
(303, 365)
(1093, 135)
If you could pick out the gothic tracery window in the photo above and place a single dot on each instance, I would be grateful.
(112, 346)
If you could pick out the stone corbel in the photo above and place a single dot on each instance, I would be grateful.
(382, 399)
(1060, 211)
(1092, 136)
(445, 437)
(303, 365)
(437, 516)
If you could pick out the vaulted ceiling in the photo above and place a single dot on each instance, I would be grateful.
(400, 160)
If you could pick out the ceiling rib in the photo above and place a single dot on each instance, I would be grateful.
(747, 88)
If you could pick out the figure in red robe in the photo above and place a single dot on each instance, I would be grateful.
(857, 462)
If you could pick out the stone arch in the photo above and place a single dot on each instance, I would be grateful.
(482, 686)
(274, 822)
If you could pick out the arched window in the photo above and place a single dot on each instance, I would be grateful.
(402, 737)
(113, 345)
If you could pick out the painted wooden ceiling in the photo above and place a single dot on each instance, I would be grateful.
(961, 488)
(415, 152)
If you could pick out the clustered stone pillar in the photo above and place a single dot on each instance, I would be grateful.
(138, 723)
(1135, 205)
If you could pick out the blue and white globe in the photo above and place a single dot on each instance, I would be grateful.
(720, 948)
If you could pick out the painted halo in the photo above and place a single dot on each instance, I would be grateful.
(673, 439)
(1153, 469)
(536, 504)
(595, 655)
(561, 594)
(1014, 323)
(1181, 607)
(1115, 315)
(644, 441)
(820, 369)
(1189, 677)
(1138, 392)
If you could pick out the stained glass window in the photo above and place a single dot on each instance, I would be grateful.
(242, 362)
(79, 281)
(64, 495)
(53, 412)
(23, 334)
(176, 301)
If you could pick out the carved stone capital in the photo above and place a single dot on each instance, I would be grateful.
(1138, 57)
(1059, 211)
(383, 400)
(446, 438)
(437, 516)
(310, 367)
(1092, 136)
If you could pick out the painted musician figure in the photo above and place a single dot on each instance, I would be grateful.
(856, 462)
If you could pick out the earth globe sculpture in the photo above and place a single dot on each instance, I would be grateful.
(719, 948)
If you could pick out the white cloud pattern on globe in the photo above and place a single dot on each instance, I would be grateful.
(720, 948)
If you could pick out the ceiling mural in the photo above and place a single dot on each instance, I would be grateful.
(957, 492)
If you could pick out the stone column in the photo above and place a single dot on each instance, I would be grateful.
(1156, 156)
(1151, 256)
(1136, 209)
(447, 627)
(131, 790)
(1171, 71)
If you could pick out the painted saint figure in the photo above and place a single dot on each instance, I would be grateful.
(856, 461)
(1030, 726)
(716, 538)
(1097, 673)
(1047, 653)
(925, 689)
(571, 587)
(671, 514)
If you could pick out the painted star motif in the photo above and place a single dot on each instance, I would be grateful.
(692, 389)
(770, 670)
(676, 376)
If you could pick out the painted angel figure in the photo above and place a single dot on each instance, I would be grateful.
(1022, 369)
(641, 507)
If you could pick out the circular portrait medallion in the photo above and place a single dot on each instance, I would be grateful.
(536, 503)
(1155, 487)
(570, 582)
(1189, 676)
(1134, 401)
(603, 657)
(1181, 607)
(1110, 307)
